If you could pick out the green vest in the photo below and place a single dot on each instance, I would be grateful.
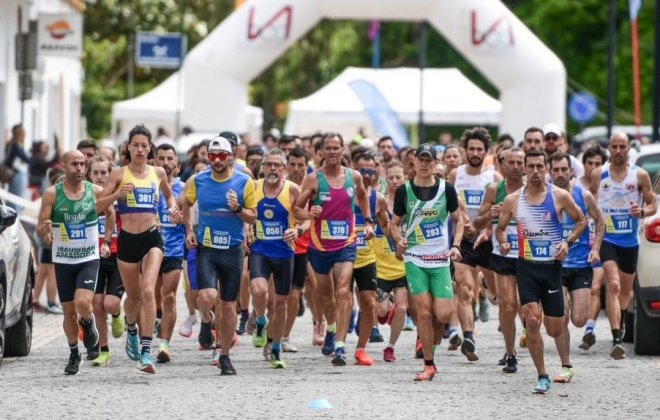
(75, 227)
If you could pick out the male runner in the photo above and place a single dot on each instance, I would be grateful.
(68, 220)
(333, 191)
(624, 196)
(538, 209)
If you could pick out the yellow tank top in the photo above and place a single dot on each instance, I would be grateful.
(387, 266)
(144, 198)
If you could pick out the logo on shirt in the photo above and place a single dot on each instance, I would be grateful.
(268, 214)
(87, 206)
(546, 216)
(426, 213)
(350, 191)
(630, 187)
(606, 186)
(618, 200)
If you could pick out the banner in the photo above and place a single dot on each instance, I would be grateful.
(60, 34)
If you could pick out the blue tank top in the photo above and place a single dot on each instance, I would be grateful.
(144, 198)
(360, 241)
(579, 252)
(615, 201)
(219, 227)
(539, 229)
(174, 235)
(274, 217)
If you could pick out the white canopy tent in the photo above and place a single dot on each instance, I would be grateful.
(449, 98)
(158, 108)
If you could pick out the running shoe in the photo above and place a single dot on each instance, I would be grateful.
(81, 334)
(225, 366)
(93, 353)
(276, 362)
(523, 339)
(381, 295)
(409, 325)
(38, 307)
(455, 340)
(157, 327)
(419, 350)
(163, 353)
(469, 349)
(484, 309)
(618, 352)
(301, 306)
(363, 359)
(118, 326)
(73, 367)
(102, 360)
(90, 333)
(215, 357)
(146, 363)
(54, 309)
(376, 336)
(251, 324)
(565, 375)
(588, 340)
(543, 386)
(340, 357)
(287, 347)
(242, 322)
(205, 337)
(511, 364)
(260, 340)
(329, 343)
(133, 346)
(186, 328)
(446, 331)
(354, 324)
(266, 351)
(427, 374)
(388, 355)
(502, 361)
(318, 334)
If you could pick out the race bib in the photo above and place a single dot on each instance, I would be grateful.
(74, 232)
(473, 198)
(269, 231)
(360, 240)
(538, 250)
(566, 229)
(141, 197)
(334, 229)
(431, 230)
(513, 240)
(217, 239)
(619, 224)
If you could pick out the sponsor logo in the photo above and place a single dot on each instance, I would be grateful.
(426, 213)
(531, 234)
(630, 187)
(59, 29)
(350, 191)
(268, 214)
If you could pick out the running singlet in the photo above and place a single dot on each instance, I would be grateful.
(144, 198)
(539, 229)
(511, 230)
(426, 229)
(471, 188)
(365, 252)
(75, 231)
(219, 227)
(274, 217)
(578, 254)
(174, 235)
(614, 200)
(389, 267)
(335, 227)
(115, 231)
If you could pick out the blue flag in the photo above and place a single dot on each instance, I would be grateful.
(635, 5)
(380, 113)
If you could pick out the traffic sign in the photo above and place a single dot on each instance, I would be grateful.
(582, 107)
(160, 50)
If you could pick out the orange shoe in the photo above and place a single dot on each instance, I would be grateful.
(363, 359)
(427, 374)
(419, 350)
(81, 335)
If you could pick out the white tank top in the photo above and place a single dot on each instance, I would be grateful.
(471, 188)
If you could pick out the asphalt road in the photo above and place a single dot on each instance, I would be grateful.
(190, 387)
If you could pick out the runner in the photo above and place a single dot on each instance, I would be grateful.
(271, 254)
(109, 289)
(470, 181)
(505, 266)
(174, 237)
(538, 208)
(226, 200)
(67, 220)
(624, 196)
(576, 271)
(136, 187)
(333, 191)
(425, 203)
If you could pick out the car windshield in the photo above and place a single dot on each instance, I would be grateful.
(650, 163)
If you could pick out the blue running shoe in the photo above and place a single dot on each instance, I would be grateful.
(340, 357)
(146, 363)
(352, 326)
(409, 325)
(133, 347)
(357, 324)
(543, 386)
(376, 336)
(329, 343)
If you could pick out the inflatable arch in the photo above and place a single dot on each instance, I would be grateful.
(530, 78)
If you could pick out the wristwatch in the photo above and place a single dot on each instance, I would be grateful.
(368, 220)
(107, 242)
(239, 209)
(456, 246)
(570, 243)
(301, 232)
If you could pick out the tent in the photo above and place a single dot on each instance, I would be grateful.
(158, 108)
(449, 98)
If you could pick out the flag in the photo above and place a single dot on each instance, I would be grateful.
(374, 29)
(635, 5)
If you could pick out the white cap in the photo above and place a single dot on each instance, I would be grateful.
(552, 128)
(368, 143)
(220, 144)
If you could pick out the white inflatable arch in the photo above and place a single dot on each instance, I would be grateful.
(217, 72)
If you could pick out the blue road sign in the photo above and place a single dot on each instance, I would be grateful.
(160, 50)
(582, 107)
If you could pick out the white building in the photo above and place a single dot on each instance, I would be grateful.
(58, 79)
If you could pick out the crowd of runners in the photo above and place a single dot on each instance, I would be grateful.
(414, 238)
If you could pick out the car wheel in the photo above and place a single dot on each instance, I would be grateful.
(2, 322)
(629, 325)
(19, 337)
(647, 332)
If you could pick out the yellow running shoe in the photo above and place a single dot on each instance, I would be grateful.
(118, 326)
(102, 360)
(523, 339)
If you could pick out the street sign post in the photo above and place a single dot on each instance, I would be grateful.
(160, 50)
(582, 107)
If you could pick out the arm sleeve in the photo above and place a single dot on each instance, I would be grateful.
(191, 194)
(249, 195)
(400, 201)
(452, 198)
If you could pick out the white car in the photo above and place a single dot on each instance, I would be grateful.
(16, 283)
(647, 287)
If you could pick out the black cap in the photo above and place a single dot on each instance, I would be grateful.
(426, 150)
(232, 137)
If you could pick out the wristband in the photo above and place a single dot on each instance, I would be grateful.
(107, 242)
(239, 209)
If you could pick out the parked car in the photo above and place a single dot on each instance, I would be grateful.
(16, 283)
(646, 303)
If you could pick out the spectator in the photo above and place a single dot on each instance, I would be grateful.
(40, 164)
(162, 137)
(20, 162)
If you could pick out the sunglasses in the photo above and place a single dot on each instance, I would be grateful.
(370, 172)
(222, 156)
(551, 137)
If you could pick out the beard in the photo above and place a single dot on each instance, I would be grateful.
(478, 163)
